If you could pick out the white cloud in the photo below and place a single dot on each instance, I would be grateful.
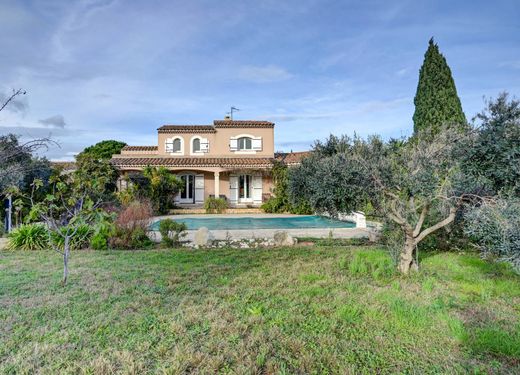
(264, 74)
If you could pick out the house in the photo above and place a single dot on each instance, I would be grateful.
(230, 159)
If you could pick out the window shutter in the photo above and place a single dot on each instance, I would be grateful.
(257, 189)
(233, 189)
(233, 144)
(204, 145)
(257, 144)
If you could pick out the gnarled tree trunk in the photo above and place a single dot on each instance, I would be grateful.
(406, 259)
(414, 236)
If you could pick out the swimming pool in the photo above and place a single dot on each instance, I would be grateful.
(291, 222)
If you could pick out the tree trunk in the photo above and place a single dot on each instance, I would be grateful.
(407, 260)
(66, 251)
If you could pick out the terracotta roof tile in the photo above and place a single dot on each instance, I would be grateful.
(292, 158)
(186, 129)
(191, 162)
(242, 123)
(139, 148)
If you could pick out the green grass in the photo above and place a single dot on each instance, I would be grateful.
(318, 310)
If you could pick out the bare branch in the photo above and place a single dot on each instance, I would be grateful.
(13, 95)
(437, 226)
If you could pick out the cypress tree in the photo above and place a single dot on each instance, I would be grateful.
(436, 100)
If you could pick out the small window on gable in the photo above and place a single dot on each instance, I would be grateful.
(245, 143)
(196, 145)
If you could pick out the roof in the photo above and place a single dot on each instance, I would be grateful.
(139, 148)
(216, 124)
(292, 158)
(186, 129)
(242, 124)
(191, 162)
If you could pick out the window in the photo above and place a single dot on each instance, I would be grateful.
(173, 145)
(245, 143)
(196, 145)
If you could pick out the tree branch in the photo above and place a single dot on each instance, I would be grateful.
(419, 224)
(437, 226)
(13, 95)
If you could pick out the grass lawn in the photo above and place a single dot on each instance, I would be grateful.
(296, 310)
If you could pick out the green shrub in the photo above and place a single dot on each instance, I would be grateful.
(102, 233)
(99, 241)
(29, 237)
(215, 205)
(171, 231)
(374, 263)
(80, 240)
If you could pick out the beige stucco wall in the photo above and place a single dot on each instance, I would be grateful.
(219, 142)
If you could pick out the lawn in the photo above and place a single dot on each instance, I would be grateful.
(295, 310)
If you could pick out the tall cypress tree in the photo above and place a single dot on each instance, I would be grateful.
(436, 100)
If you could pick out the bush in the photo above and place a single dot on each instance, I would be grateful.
(215, 205)
(131, 226)
(102, 233)
(80, 240)
(171, 231)
(29, 237)
(494, 227)
(280, 202)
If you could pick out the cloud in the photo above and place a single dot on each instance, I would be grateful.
(56, 121)
(297, 117)
(296, 145)
(264, 74)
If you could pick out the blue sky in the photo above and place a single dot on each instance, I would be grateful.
(102, 69)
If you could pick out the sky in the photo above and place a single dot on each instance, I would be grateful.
(119, 69)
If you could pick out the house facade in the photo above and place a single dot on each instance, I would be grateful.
(229, 159)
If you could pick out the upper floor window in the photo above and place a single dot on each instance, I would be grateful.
(245, 143)
(174, 145)
(196, 145)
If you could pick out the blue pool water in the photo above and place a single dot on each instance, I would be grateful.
(294, 222)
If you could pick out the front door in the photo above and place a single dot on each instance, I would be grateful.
(188, 193)
(245, 188)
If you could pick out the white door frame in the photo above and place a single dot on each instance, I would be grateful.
(248, 188)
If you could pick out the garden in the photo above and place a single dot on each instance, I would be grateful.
(85, 289)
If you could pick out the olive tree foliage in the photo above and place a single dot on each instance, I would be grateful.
(416, 184)
(495, 153)
(494, 228)
(331, 180)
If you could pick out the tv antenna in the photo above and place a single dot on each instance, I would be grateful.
(230, 113)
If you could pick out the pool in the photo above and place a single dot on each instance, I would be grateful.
(291, 222)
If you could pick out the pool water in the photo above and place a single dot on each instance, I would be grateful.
(293, 222)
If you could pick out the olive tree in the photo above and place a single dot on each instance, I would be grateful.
(415, 184)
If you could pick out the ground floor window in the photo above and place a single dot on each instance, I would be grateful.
(244, 186)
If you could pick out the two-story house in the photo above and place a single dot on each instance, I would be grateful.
(230, 159)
